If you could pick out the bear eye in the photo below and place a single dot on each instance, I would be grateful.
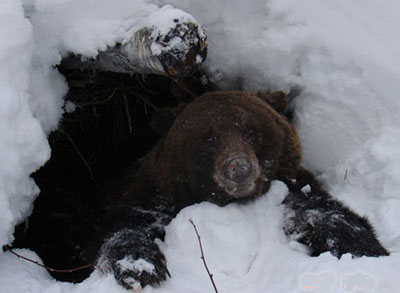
(210, 138)
(254, 136)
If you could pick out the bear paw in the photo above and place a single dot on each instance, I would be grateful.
(134, 260)
(137, 273)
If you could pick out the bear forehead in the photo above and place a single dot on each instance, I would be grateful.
(224, 110)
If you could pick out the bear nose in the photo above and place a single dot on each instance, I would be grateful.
(237, 169)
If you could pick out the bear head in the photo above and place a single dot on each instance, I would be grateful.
(225, 146)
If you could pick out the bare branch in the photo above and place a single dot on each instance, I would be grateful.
(82, 157)
(128, 116)
(203, 258)
(7, 248)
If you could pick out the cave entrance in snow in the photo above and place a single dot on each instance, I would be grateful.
(105, 129)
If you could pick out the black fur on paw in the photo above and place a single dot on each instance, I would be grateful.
(325, 224)
(135, 260)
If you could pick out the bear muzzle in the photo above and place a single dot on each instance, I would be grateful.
(237, 174)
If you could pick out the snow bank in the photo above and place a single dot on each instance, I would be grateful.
(23, 144)
(245, 249)
(342, 57)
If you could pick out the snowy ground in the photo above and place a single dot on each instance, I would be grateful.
(343, 55)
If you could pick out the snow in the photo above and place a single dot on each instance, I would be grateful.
(129, 264)
(139, 265)
(343, 59)
(23, 144)
(306, 189)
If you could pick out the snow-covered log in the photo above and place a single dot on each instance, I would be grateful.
(174, 52)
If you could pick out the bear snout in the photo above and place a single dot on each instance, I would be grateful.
(237, 169)
(237, 173)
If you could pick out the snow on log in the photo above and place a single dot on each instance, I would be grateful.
(173, 50)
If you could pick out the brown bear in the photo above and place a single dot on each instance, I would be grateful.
(223, 147)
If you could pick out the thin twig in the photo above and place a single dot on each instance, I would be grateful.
(185, 89)
(48, 268)
(82, 157)
(147, 102)
(203, 258)
(128, 116)
(100, 101)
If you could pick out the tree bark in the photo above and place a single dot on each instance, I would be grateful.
(176, 53)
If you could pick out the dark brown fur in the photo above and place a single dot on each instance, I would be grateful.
(182, 164)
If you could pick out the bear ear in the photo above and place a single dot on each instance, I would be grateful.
(162, 120)
(277, 100)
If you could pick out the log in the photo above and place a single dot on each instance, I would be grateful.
(175, 52)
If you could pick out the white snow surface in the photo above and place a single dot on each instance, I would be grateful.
(23, 144)
(343, 56)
